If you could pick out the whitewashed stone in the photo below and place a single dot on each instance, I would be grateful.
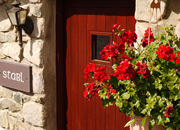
(5, 93)
(2, 128)
(34, 113)
(31, 127)
(33, 51)
(12, 122)
(7, 37)
(5, 25)
(9, 104)
(40, 30)
(4, 119)
(17, 115)
(26, 98)
(25, 4)
(21, 126)
(13, 50)
(142, 12)
(177, 32)
(38, 98)
(2, 57)
(35, 10)
(34, 1)
(38, 80)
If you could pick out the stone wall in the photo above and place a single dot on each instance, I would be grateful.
(35, 110)
(170, 13)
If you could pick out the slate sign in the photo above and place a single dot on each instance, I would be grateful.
(16, 76)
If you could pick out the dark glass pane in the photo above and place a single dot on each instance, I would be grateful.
(98, 43)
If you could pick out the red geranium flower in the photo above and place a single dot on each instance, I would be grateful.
(89, 68)
(166, 53)
(148, 37)
(169, 110)
(124, 71)
(100, 74)
(91, 90)
(128, 37)
(142, 69)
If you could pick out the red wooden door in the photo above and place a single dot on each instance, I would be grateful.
(83, 20)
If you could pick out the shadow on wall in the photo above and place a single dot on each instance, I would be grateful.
(3, 7)
(6, 5)
(173, 6)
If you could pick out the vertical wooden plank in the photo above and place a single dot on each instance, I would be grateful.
(100, 110)
(74, 71)
(82, 45)
(121, 20)
(91, 108)
(110, 111)
(68, 62)
(130, 19)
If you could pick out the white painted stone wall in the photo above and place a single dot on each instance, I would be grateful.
(35, 110)
(170, 10)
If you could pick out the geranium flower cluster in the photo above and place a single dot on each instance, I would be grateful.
(166, 53)
(148, 37)
(128, 37)
(144, 79)
(112, 50)
(142, 69)
(91, 90)
(169, 110)
(124, 71)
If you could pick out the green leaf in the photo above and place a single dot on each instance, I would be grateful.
(132, 113)
(126, 95)
(143, 121)
(86, 84)
(114, 67)
(119, 103)
(130, 122)
(151, 124)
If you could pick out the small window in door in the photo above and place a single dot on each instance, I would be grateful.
(98, 43)
(98, 40)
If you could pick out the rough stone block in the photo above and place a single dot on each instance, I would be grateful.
(9, 104)
(31, 127)
(40, 30)
(33, 51)
(4, 119)
(34, 114)
(38, 98)
(34, 1)
(18, 98)
(12, 122)
(21, 126)
(38, 80)
(2, 128)
(5, 93)
(143, 10)
(35, 10)
(5, 25)
(13, 50)
(7, 37)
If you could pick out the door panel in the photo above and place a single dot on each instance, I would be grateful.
(81, 21)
